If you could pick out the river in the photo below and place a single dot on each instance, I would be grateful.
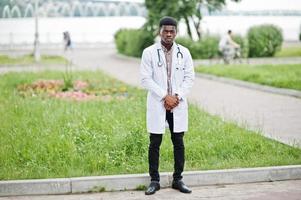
(102, 29)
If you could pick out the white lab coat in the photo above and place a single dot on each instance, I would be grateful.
(154, 79)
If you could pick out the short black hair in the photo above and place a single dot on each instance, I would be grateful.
(229, 31)
(168, 21)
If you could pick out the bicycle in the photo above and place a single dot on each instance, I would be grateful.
(229, 54)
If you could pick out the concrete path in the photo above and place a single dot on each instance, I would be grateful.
(277, 116)
(288, 190)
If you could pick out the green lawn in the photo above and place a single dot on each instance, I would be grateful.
(46, 137)
(282, 76)
(29, 59)
(289, 52)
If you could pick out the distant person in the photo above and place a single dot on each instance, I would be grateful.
(67, 40)
(228, 47)
(167, 73)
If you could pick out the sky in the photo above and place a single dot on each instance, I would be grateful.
(247, 5)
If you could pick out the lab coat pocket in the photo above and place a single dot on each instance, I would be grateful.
(183, 104)
(179, 74)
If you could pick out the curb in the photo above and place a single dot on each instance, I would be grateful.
(264, 88)
(132, 181)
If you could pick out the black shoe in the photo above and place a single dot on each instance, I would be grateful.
(152, 188)
(179, 185)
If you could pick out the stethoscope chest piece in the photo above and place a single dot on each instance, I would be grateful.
(160, 63)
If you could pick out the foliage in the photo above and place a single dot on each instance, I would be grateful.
(29, 59)
(205, 48)
(132, 42)
(141, 187)
(177, 8)
(180, 10)
(282, 76)
(289, 52)
(68, 77)
(264, 40)
(244, 45)
(98, 189)
(186, 42)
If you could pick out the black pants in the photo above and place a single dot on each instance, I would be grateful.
(178, 150)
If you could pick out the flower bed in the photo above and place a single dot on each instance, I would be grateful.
(80, 90)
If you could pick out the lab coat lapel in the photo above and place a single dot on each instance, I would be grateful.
(162, 56)
(163, 60)
(162, 69)
(174, 60)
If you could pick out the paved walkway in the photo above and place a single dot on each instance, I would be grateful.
(277, 116)
(288, 190)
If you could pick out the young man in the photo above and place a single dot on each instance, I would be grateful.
(228, 47)
(167, 73)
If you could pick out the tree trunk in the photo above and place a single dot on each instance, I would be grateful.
(188, 27)
(197, 23)
(197, 28)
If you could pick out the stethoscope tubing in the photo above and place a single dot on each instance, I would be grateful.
(159, 57)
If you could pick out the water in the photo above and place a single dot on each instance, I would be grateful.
(102, 29)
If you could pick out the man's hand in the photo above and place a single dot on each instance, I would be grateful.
(171, 102)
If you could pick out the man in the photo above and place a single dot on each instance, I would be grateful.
(167, 73)
(228, 47)
(67, 40)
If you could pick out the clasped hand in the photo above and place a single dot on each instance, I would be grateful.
(170, 102)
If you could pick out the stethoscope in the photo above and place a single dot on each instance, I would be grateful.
(160, 63)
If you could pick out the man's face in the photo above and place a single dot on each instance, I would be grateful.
(168, 33)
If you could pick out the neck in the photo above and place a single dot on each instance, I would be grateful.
(167, 46)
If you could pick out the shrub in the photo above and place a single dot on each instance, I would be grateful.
(205, 48)
(244, 45)
(264, 40)
(131, 42)
(208, 46)
(185, 41)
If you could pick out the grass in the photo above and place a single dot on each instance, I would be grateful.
(29, 59)
(141, 187)
(46, 137)
(97, 189)
(289, 52)
(281, 76)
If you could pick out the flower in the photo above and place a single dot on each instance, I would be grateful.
(73, 95)
(80, 85)
(81, 90)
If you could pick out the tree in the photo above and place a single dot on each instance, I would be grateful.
(188, 10)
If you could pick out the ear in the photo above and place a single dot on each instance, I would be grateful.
(160, 31)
